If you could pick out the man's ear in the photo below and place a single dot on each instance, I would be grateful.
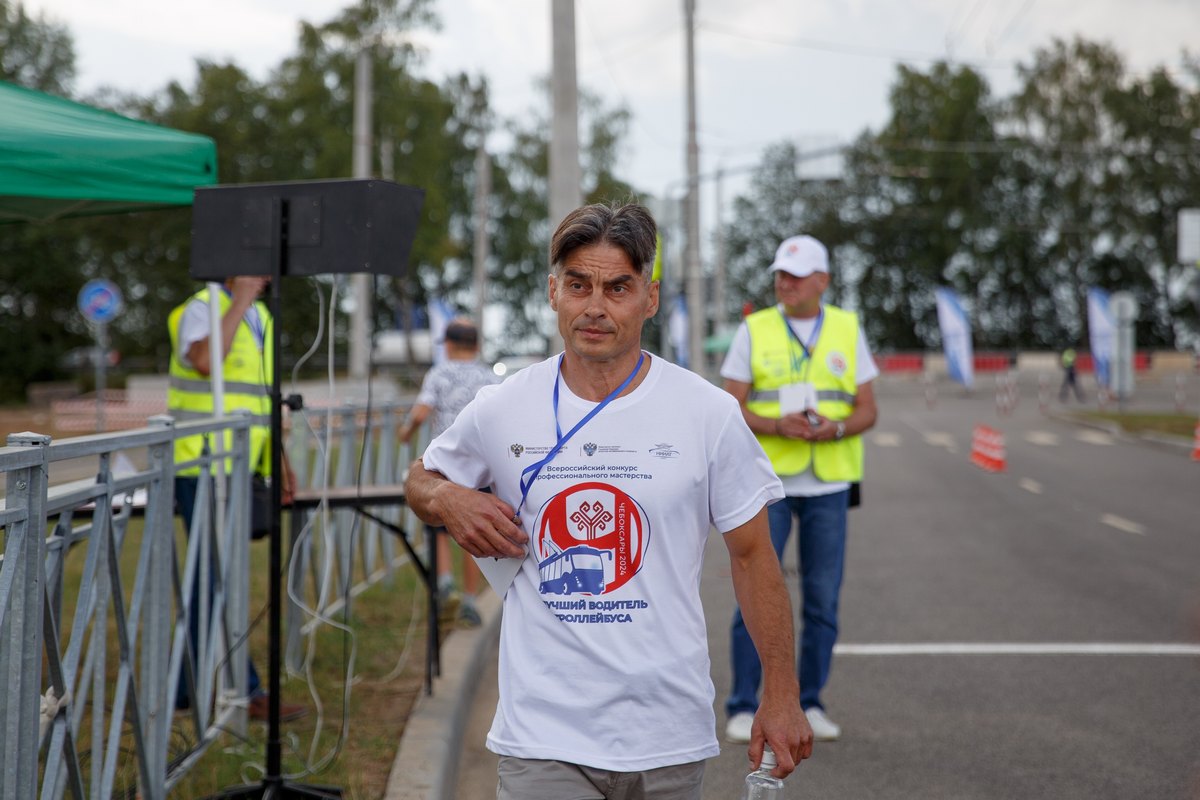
(553, 284)
(653, 309)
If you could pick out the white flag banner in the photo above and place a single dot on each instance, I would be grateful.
(440, 315)
(956, 337)
(677, 327)
(1100, 333)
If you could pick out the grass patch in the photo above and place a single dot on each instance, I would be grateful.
(384, 688)
(1182, 425)
(389, 628)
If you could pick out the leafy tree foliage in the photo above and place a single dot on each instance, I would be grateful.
(294, 125)
(35, 52)
(1021, 203)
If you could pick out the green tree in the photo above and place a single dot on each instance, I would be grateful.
(38, 276)
(35, 52)
(1020, 203)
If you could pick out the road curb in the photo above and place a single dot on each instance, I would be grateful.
(1117, 432)
(426, 764)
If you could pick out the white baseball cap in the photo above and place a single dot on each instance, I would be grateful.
(801, 256)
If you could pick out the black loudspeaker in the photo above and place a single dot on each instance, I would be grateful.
(335, 226)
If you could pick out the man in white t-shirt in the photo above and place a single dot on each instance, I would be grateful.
(608, 468)
(445, 392)
(802, 374)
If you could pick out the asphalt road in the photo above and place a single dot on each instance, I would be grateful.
(1025, 634)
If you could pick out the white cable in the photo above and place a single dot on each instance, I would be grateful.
(311, 763)
(402, 661)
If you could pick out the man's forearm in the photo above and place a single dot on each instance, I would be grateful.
(420, 492)
(767, 610)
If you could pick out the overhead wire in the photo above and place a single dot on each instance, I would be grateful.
(606, 57)
(848, 49)
(991, 42)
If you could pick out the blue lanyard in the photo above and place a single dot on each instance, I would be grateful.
(807, 349)
(535, 469)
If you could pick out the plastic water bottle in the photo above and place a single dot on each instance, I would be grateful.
(761, 784)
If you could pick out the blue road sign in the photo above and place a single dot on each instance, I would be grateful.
(100, 300)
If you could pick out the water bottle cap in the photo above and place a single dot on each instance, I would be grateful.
(768, 758)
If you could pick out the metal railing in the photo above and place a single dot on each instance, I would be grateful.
(336, 554)
(94, 608)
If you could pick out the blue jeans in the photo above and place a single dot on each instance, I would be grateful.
(822, 545)
(185, 502)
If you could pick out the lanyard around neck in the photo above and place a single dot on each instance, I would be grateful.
(534, 469)
(807, 349)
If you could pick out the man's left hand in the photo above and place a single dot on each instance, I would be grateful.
(824, 431)
(782, 725)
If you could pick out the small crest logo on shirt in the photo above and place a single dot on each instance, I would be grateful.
(590, 448)
(837, 363)
(516, 450)
(664, 451)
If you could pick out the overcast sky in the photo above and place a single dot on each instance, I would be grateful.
(816, 72)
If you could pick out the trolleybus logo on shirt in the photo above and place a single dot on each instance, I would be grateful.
(591, 539)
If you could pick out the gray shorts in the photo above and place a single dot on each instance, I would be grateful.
(535, 779)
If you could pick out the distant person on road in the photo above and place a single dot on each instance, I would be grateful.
(446, 390)
(609, 468)
(802, 373)
(246, 364)
(1069, 381)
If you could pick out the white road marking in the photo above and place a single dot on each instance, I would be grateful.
(1030, 485)
(886, 439)
(1044, 438)
(1019, 649)
(1095, 437)
(938, 439)
(1122, 524)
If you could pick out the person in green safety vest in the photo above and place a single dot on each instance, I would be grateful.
(802, 372)
(246, 366)
(1070, 379)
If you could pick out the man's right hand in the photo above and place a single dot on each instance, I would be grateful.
(480, 522)
(245, 289)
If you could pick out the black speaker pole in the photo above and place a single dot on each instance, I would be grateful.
(273, 785)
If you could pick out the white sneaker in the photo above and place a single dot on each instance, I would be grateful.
(737, 730)
(824, 729)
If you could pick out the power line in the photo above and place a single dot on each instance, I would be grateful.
(850, 49)
(991, 41)
(606, 59)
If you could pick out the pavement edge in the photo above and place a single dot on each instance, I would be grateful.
(426, 764)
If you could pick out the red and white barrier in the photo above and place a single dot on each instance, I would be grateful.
(987, 449)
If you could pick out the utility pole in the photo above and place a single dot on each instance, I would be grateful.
(693, 286)
(483, 189)
(360, 320)
(719, 312)
(565, 180)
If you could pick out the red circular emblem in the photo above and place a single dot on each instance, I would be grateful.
(597, 521)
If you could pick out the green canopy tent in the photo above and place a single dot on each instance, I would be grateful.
(62, 159)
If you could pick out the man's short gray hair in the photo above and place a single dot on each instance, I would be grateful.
(628, 227)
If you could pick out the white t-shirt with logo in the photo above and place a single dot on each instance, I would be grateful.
(603, 646)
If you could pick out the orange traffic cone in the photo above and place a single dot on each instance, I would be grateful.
(1196, 444)
(987, 449)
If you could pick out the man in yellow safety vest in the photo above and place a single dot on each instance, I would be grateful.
(246, 361)
(802, 372)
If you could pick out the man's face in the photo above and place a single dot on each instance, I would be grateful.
(602, 301)
(800, 293)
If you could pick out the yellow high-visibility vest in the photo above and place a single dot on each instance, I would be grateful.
(247, 372)
(831, 369)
